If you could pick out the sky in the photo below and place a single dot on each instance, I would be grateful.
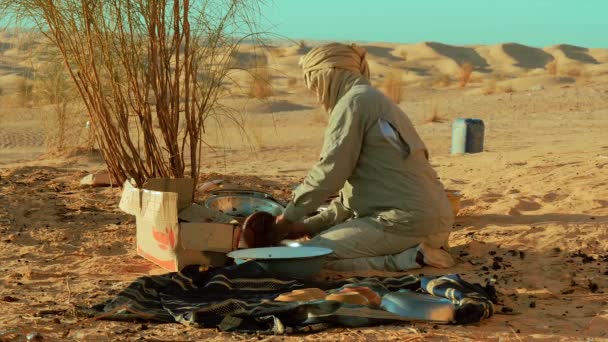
(460, 22)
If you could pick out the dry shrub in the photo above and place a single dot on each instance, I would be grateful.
(552, 67)
(393, 87)
(507, 89)
(260, 86)
(435, 116)
(57, 93)
(466, 69)
(302, 48)
(442, 80)
(24, 92)
(291, 82)
(573, 72)
(489, 87)
(121, 53)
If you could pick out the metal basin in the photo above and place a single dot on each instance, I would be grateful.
(251, 193)
(243, 205)
(286, 262)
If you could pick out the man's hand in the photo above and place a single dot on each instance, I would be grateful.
(284, 228)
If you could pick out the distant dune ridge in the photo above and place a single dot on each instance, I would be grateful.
(425, 64)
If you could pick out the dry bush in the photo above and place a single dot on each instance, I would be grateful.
(466, 69)
(442, 80)
(507, 89)
(552, 67)
(291, 82)
(573, 72)
(489, 87)
(122, 53)
(393, 87)
(56, 91)
(24, 93)
(302, 47)
(260, 86)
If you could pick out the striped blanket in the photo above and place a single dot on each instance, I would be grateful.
(240, 298)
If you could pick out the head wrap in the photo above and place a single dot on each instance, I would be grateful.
(330, 70)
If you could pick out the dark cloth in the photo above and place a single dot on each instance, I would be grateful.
(240, 298)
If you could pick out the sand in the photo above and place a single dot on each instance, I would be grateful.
(534, 214)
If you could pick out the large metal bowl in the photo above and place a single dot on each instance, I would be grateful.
(242, 205)
(252, 193)
(302, 262)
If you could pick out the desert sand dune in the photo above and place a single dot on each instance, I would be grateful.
(461, 55)
(527, 57)
(382, 52)
(600, 55)
(577, 53)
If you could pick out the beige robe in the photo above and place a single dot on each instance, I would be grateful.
(388, 191)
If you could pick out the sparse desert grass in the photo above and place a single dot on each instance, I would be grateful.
(291, 82)
(441, 80)
(573, 72)
(260, 86)
(552, 67)
(393, 87)
(302, 46)
(489, 87)
(466, 69)
(435, 116)
(24, 92)
(66, 129)
(507, 88)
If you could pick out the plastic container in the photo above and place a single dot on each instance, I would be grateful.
(467, 136)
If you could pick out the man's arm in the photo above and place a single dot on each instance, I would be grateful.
(334, 214)
(340, 154)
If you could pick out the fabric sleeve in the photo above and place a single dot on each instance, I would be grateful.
(334, 214)
(339, 156)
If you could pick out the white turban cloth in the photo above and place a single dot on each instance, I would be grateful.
(331, 70)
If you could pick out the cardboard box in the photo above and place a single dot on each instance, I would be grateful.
(173, 232)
